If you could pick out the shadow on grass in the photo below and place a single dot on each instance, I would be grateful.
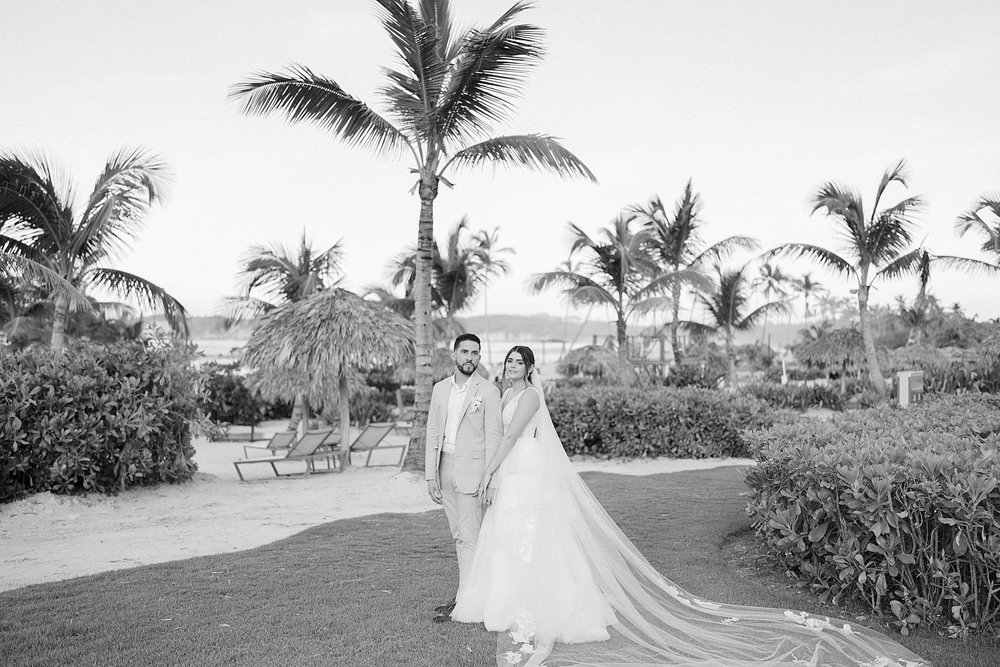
(361, 591)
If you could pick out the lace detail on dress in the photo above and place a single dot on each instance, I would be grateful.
(507, 415)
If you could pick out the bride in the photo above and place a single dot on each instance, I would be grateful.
(559, 582)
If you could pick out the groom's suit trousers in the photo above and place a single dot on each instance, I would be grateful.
(464, 512)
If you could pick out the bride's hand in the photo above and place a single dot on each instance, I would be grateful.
(484, 484)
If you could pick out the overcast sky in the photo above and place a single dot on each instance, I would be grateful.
(758, 102)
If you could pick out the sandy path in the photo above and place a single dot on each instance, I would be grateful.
(48, 538)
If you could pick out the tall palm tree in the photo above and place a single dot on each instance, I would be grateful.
(807, 287)
(492, 264)
(449, 89)
(72, 241)
(878, 246)
(676, 244)
(616, 272)
(984, 218)
(771, 280)
(727, 304)
(275, 275)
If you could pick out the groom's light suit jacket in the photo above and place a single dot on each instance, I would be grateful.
(479, 429)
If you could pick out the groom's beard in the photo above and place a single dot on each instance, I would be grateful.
(466, 369)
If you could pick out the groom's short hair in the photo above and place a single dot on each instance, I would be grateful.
(467, 336)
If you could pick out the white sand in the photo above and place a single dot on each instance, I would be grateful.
(48, 538)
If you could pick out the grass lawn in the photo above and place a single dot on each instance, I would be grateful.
(360, 591)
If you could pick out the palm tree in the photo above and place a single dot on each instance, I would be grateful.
(273, 276)
(676, 244)
(459, 273)
(984, 218)
(71, 241)
(616, 272)
(491, 264)
(450, 88)
(878, 246)
(727, 304)
(771, 280)
(807, 287)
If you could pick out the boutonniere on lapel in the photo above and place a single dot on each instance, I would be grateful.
(476, 405)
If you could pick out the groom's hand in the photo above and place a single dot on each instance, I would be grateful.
(487, 498)
(434, 490)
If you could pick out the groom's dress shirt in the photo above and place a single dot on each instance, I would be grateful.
(455, 400)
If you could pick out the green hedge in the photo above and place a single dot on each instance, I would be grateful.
(679, 423)
(797, 396)
(897, 508)
(97, 418)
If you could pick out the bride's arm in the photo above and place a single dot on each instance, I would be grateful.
(527, 406)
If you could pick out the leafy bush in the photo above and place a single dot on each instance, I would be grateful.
(228, 399)
(694, 376)
(797, 396)
(896, 508)
(680, 423)
(97, 418)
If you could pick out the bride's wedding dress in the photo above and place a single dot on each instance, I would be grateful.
(562, 585)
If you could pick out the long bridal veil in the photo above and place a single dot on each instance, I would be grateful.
(658, 623)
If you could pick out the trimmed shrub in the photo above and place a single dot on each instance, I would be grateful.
(679, 423)
(796, 396)
(897, 508)
(97, 418)
(694, 376)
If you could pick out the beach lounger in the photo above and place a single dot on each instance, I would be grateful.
(279, 442)
(368, 441)
(313, 445)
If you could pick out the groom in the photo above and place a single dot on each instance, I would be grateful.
(463, 432)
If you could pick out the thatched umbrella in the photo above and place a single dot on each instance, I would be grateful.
(596, 361)
(842, 348)
(313, 347)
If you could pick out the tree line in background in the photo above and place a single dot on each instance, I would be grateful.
(448, 90)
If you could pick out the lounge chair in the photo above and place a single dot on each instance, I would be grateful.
(368, 441)
(279, 442)
(313, 445)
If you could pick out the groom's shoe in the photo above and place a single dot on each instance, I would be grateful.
(446, 607)
(444, 613)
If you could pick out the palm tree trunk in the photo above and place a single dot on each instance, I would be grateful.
(304, 417)
(298, 408)
(763, 329)
(675, 308)
(58, 341)
(422, 322)
(730, 359)
(874, 370)
(622, 348)
(345, 416)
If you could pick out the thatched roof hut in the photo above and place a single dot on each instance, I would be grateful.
(314, 346)
(841, 349)
(595, 361)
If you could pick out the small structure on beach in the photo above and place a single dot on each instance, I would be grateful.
(314, 346)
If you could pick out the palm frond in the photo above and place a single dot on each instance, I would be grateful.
(846, 206)
(891, 231)
(414, 92)
(133, 180)
(724, 249)
(897, 174)
(489, 71)
(538, 152)
(19, 268)
(307, 97)
(902, 265)
(779, 307)
(578, 288)
(649, 304)
(826, 258)
(35, 194)
(239, 309)
(131, 286)
(967, 265)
